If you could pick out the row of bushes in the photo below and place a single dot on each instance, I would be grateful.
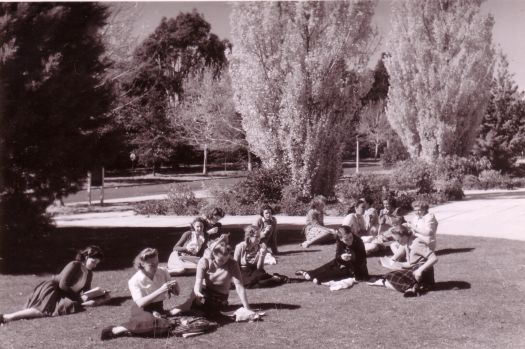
(439, 182)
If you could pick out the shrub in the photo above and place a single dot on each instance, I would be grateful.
(231, 201)
(394, 153)
(404, 200)
(490, 179)
(413, 175)
(152, 207)
(471, 182)
(263, 186)
(293, 203)
(181, 201)
(456, 167)
(372, 187)
(449, 190)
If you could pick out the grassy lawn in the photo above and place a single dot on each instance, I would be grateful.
(479, 301)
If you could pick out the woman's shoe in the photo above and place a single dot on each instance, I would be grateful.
(2, 320)
(107, 333)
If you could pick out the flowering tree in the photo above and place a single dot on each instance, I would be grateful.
(297, 79)
(440, 68)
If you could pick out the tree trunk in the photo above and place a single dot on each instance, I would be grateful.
(102, 188)
(154, 168)
(376, 151)
(89, 188)
(357, 156)
(249, 161)
(205, 161)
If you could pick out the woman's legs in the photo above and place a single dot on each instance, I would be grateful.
(29, 313)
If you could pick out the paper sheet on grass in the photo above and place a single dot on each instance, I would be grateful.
(390, 264)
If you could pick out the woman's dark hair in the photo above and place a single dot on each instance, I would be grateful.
(92, 251)
(353, 207)
(400, 230)
(343, 230)
(217, 211)
(264, 208)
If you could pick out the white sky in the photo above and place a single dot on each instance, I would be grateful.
(509, 28)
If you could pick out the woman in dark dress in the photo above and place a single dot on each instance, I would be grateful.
(63, 294)
(349, 261)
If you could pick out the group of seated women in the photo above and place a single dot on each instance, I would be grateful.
(205, 252)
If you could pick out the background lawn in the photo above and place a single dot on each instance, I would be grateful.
(479, 301)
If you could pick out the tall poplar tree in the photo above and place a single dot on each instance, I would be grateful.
(440, 67)
(297, 78)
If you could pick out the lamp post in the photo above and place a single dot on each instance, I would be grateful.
(132, 157)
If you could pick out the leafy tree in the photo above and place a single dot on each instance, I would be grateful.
(177, 47)
(502, 134)
(53, 107)
(440, 65)
(296, 69)
(207, 113)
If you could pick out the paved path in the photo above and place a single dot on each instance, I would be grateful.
(483, 213)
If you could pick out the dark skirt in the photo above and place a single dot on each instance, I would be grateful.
(253, 277)
(143, 323)
(50, 300)
(332, 270)
(213, 301)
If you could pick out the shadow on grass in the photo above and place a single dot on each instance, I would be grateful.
(117, 301)
(446, 251)
(450, 285)
(292, 252)
(48, 255)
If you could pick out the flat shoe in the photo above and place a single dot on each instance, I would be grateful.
(107, 333)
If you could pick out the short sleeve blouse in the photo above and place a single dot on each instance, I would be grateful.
(141, 285)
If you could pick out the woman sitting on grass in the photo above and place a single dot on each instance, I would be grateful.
(63, 294)
(356, 219)
(268, 227)
(411, 276)
(315, 231)
(149, 287)
(349, 261)
(250, 255)
(188, 250)
(212, 283)
(212, 227)
(388, 218)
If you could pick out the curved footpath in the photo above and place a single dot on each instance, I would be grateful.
(492, 213)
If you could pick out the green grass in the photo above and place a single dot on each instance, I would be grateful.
(480, 302)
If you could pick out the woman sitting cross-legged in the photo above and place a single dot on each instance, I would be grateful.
(63, 294)
(188, 250)
(212, 283)
(250, 255)
(412, 275)
(268, 226)
(388, 218)
(149, 287)
(349, 261)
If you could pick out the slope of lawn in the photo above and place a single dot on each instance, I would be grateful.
(479, 301)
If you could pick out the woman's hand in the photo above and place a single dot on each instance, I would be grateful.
(418, 274)
(173, 287)
(346, 256)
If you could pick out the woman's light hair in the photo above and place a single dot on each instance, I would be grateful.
(146, 253)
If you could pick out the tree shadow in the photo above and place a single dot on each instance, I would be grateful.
(293, 252)
(450, 285)
(446, 251)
